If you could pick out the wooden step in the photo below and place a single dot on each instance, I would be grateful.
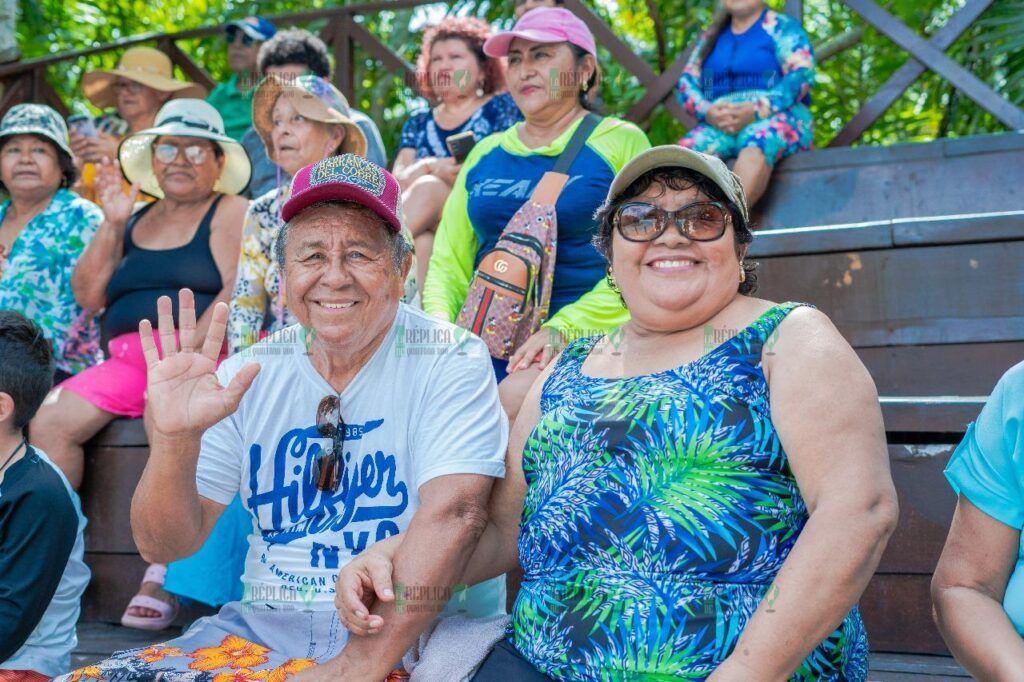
(927, 316)
(114, 461)
(910, 668)
(850, 185)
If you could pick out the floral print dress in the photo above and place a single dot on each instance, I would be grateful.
(421, 132)
(235, 659)
(659, 509)
(35, 277)
(783, 124)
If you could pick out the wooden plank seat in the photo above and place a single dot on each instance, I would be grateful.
(114, 461)
(932, 305)
(976, 174)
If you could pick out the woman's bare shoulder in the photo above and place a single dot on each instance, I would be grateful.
(231, 212)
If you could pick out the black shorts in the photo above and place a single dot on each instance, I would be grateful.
(506, 664)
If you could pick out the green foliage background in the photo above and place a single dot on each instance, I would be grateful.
(993, 49)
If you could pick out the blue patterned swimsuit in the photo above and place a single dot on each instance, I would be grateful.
(659, 510)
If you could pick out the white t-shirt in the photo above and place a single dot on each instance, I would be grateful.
(425, 405)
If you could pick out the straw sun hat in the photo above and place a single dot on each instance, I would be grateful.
(184, 118)
(144, 65)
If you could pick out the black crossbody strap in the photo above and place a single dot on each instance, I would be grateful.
(579, 138)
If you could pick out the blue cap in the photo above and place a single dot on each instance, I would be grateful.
(256, 28)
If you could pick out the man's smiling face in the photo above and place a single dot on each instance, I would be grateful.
(339, 275)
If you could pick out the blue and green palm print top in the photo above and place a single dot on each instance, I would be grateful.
(659, 510)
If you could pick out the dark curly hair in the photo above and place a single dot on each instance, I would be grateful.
(68, 172)
(295, 46)
(26, 366)
(678, 179)
(473, 32)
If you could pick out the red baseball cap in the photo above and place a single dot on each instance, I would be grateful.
(346, 178)
(544, 25)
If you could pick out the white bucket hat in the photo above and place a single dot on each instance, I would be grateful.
(36, 119)
(184, 118)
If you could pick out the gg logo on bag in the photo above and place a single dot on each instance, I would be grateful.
(501, 266)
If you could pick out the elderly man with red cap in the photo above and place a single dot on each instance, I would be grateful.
(365, 420)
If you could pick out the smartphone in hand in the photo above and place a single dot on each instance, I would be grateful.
(111, 124)
(82, 124)
(461, 144)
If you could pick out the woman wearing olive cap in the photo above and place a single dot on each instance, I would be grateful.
(675, 488)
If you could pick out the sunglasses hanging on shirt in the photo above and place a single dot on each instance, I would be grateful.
(328, 467)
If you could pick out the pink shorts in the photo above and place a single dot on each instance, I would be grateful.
(118, 384)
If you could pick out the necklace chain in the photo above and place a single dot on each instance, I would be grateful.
(13, 453)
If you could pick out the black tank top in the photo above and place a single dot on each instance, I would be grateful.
(145, 275)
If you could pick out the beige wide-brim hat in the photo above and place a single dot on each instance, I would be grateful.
(184, 118)
(144, 65)
(314, 98)
(674, 156)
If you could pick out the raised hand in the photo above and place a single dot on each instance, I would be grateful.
(183, 394)
(117, 206)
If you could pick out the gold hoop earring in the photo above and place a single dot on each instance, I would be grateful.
(610, 278)
(743, 273)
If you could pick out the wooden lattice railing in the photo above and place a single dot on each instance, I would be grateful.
(26, 80)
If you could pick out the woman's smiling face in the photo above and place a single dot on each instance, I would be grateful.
(672, 279)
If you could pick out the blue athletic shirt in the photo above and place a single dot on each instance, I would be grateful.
(496, 180)
(988, 469)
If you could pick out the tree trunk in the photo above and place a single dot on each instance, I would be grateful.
(8, 31)
(833, 46)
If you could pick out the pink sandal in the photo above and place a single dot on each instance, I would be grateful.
(168, 612)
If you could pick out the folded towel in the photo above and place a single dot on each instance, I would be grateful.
(452, 648)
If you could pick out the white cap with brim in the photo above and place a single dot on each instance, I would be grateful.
(674, 156)
(184, 118)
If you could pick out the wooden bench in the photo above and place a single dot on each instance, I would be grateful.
(114, 461)
(914, 251)
(978, 174)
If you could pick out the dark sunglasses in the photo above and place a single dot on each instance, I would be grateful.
(195, 154)
(701, 221)
(234, 32)
(328, 467)
(131, 87)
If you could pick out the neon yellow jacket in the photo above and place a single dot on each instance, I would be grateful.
(456, 243)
